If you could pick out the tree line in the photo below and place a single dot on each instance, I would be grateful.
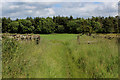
(60, 24)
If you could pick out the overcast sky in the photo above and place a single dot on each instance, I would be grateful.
(44, 9)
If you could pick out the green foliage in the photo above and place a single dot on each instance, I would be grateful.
(59, 24)
(13, 27)
(9, 48)
(73, 25)
(25, 26)
(59, 29)
(5, 23)
(45, 25)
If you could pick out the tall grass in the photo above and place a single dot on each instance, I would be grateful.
(59, 56)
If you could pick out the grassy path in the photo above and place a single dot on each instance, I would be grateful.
(59, 56)
(48, 62)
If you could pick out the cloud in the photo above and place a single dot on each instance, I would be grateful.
(59, 0)
(14, 6)
(88, 9)
(50, 11)
(30, 11)
(45, 9)
(24, 9)
(0, 10)
(30, 7)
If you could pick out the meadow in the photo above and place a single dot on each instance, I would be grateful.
(60, 56)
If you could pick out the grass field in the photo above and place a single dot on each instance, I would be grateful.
(60, 56)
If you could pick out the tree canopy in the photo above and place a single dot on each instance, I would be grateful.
(59, 24)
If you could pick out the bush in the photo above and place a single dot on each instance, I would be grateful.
(9, 48)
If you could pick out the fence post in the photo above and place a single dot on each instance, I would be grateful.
(78, 39)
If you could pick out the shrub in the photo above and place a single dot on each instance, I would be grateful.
(9, 48)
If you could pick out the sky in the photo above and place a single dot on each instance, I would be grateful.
(85, 9)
